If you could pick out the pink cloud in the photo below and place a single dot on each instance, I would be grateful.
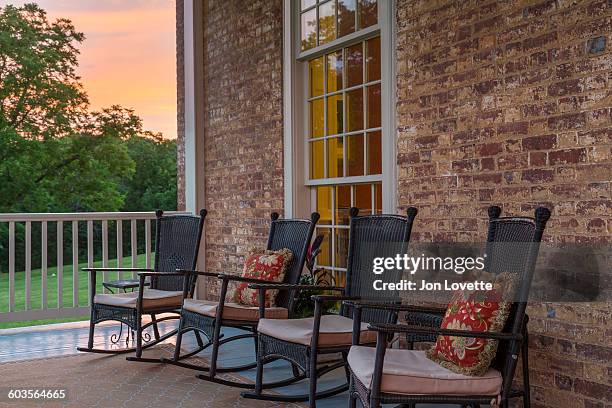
(128, 56)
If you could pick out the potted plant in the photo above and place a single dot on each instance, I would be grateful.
(321, 277)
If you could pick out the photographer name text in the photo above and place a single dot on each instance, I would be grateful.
(423, 285)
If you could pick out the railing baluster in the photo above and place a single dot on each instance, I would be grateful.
(134, 245)
(105, 250)
(75, 264)
(148, 243)
(90, 258)
(43, 266)
(28, 265)
(119, 224)
(60, 264)
(11, 266)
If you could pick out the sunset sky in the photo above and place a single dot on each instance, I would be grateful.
(128, 56)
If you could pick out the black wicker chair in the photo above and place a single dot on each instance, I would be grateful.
(521, 237)
(301, 341)
(209, 317)
(177, 243)
(504, 233)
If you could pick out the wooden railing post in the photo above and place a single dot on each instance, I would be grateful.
(11, 266)
(60, 264)
(75, 264)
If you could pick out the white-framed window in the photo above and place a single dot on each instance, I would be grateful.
(338, 118)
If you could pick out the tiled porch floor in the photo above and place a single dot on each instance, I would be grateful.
(62, 339)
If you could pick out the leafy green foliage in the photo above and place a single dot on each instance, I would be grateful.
(40, 93)
(154, 183)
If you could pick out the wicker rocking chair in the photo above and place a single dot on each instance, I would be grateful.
(301, 341)
(501, 230)
(392, 376)
(177, 243)
(209, 317)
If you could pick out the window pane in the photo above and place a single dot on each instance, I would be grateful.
(327, 22)
(309, 29)
(363, 198)
(317, 165)
(354, 155)
(378, 198)
(354, 110)
(334, 115)
(317, 118)
(324, 204)
(374, 153)
(342, 237)
(373, 106)
(334, 71)
(308, 3)
(373, 59)
(335, 157)
(343, 204)
(368, 12)
(325, 256)
(354, 64)
(315, 73)
(346, 17)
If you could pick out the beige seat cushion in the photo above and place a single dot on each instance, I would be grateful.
(334, 330)
(411, 372)
(233, 311)
(151, 299)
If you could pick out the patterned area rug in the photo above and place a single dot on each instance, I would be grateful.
(96, 380)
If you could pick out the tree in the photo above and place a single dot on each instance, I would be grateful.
(55, 154)
(41, 96)
(151, 187)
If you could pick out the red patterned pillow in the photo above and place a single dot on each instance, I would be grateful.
(266, 265)
(478, 311)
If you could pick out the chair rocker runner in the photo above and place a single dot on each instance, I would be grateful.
(177, 243)
(301, 341)
(407, 377)
(209, 317)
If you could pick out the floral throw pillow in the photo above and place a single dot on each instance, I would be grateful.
(477, 311)
(266, 265)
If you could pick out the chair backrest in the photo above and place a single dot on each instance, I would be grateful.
(513, 244)
(508, 242)
(295, 235)
(374, 236)
(177, 243)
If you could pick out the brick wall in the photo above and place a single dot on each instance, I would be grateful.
(509, 103)
(244, 142)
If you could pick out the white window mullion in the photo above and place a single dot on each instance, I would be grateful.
(332, 235)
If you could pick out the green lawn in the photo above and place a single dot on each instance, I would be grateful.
(52, 290)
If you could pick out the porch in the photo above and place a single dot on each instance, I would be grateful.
(477, 104)
(42, 345)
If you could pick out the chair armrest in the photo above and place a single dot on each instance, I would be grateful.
(394, 306)
(403, 328)
(332, 298)
(236, 278)
(160, 273)
(92, 269)
(199, 273)
(272, 285)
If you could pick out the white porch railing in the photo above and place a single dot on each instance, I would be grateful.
(35, 302)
